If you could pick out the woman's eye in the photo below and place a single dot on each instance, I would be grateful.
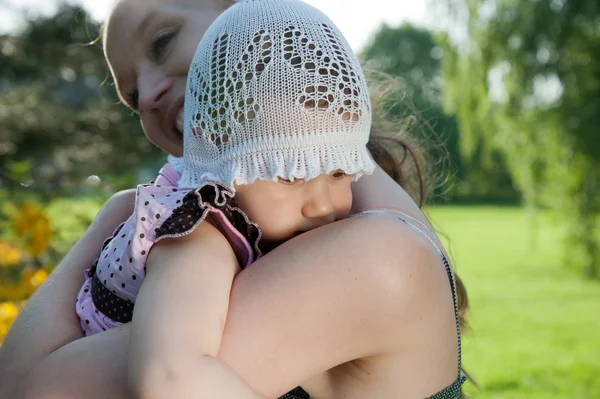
(160, 44)
(132, 99)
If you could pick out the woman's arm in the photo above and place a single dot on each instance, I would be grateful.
(48, 320)
(179, 317)
(346, 291)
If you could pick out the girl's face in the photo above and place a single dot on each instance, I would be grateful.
(149, 45)
(285, 209)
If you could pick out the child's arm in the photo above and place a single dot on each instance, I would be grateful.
(179, 317)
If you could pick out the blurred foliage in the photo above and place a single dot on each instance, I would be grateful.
(525, 80)
(33, 238)
(65, 144)
(25, 239)
(60, 122)
(412, 56)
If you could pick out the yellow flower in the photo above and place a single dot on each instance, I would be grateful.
(38, 278)
(31, 223)
(29, 280)
(40, 237)
(22, 218)
(8, 314)
(9, 254)
(8, 310)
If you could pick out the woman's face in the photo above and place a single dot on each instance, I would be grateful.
(149, 45)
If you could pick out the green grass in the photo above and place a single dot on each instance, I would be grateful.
(535, 324)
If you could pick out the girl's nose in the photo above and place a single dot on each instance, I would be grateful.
(318, 203)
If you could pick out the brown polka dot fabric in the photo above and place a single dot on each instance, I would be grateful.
(297, 393)
(195, 206)
(110, 304)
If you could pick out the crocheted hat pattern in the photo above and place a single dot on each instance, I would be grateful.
(274, 91)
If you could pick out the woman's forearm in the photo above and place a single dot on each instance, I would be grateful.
(171, 356)
(95, 367)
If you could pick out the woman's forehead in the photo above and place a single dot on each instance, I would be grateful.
(128, 16)
(124, 19)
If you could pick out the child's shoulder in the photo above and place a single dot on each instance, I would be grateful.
(121, 204)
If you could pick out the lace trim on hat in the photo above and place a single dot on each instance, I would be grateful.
(195, 207)
(306, 163)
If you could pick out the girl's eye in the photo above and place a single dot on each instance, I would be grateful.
(160, 44)
(338, 175)
(288, 182)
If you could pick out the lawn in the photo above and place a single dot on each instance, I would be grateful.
(535, 325)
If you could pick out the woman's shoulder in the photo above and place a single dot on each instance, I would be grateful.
(399, 254)
(400, 270)
(380, 252)
(388, 242)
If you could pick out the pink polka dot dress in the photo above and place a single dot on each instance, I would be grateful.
(162, 209)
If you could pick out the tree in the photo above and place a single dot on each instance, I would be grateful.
(413, 56)
(525, 79)
(60, 122)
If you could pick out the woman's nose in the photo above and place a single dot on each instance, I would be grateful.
(152, 90)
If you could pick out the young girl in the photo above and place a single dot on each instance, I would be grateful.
(277, 118)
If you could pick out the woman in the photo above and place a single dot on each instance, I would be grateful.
(360, 308)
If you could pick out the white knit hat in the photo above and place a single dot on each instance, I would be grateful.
(274, 90)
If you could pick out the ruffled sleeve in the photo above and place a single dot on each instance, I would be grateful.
(165, 210)
(196, 204)
(162, 209)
